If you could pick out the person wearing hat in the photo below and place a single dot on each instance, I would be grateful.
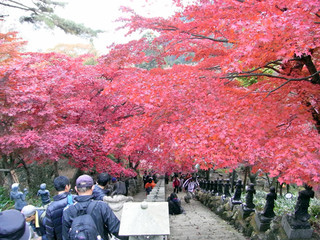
(36, 219)
(103, 217)
(13, 225)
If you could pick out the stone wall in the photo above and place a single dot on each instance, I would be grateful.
(244, 223)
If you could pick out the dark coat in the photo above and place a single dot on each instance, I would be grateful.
(174, 205)
(98, 193)
(54, 216)
(103, 217)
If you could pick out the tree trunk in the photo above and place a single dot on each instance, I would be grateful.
(311, 68)
(26, 169)
(207, 173)
(268, 179)
(56, 169)
(281, 185)
(252, 176)
(7, 175)
(78, 173)
(246, 169)
(233, 179)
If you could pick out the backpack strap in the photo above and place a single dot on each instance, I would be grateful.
(91, 206)
(81, 208)
(69, 199)
(42, 216)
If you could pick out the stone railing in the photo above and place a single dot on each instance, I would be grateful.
(246, 223)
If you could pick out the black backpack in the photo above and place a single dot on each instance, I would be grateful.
(83, 226)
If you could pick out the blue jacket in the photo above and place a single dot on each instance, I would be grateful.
(54, 216)
(98, 193)
(103, 217)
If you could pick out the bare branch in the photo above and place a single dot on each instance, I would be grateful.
(18, 6)
(272, 76)
(273, 69)
(173, 28)
(209, 38)
(283, 84)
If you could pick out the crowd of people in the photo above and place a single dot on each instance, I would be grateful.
(181, 182)
(68, 216)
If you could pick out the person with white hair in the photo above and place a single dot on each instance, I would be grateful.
(36, 219)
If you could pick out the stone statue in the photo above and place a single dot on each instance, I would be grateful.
(18, 197)
(249, 197)
(301, 208)
(227, 186)
(202, 184)
(237, 192)
(220, 187)
(44, 194)
(215, 186)
(211, 186)
(207, 185)
(268, 208)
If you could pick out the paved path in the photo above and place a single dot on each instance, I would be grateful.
(197, 223)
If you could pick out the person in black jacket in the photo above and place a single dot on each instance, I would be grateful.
(103, 217)
(174, 204)
(99, 190)
(55, 208)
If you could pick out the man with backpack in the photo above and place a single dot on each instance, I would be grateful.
(87, 218)
(55, 208)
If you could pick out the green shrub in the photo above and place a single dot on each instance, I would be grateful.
(314, 210)
(5, 202)
(283, 205)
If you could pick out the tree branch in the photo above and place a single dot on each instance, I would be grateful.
(173, 28)
(19, 6)
(272, 76)
(205, 37)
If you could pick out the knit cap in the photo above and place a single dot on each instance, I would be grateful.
(13, 225)
(28, 211)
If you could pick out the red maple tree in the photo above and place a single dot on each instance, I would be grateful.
(250, 97)
(53, 108)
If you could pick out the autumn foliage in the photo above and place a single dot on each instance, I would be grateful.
(53, 109)
(249, 95)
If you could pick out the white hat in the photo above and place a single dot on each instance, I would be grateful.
(28, 210)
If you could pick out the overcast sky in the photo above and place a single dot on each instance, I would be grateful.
(97, 14)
